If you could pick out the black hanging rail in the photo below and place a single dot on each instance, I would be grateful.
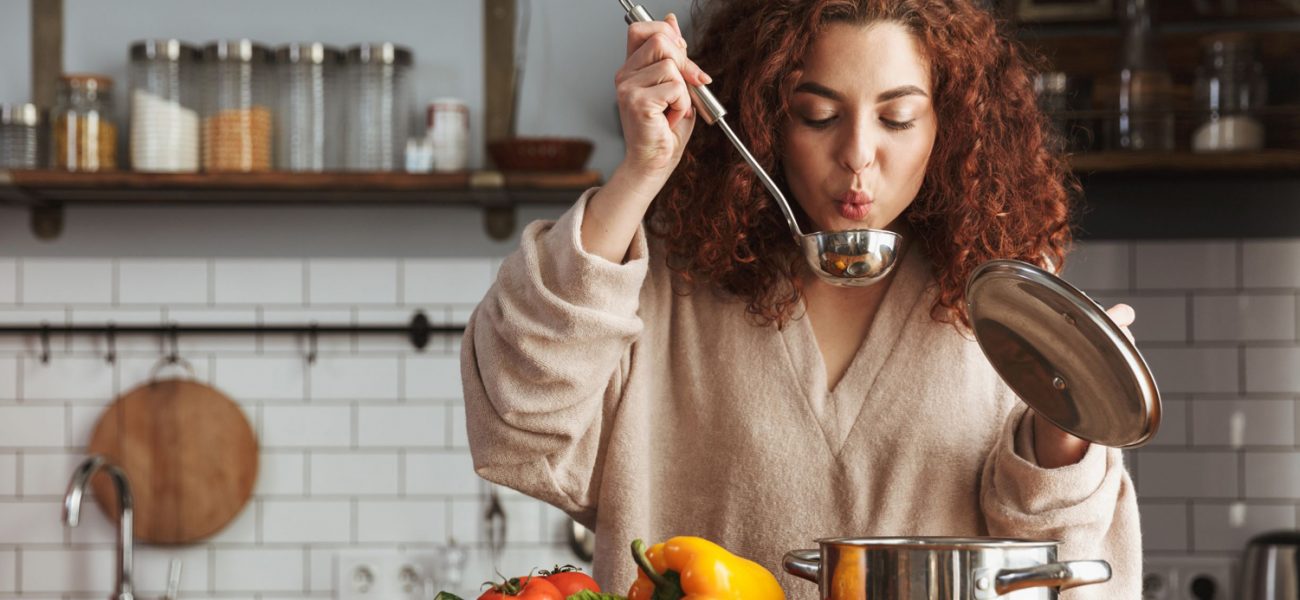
(418, 331)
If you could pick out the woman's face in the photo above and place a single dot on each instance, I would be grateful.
(861, 127)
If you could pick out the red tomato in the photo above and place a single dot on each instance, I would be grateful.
(570, 580)
(523, 588)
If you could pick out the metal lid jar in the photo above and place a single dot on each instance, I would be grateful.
(309, 127)
(20, 136)
(1230, 89)
(237, 107)
(84, 135)
(379, 106)
(164, 107)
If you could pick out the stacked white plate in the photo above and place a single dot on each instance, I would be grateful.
(164, 135)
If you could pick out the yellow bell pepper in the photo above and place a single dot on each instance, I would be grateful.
(697, 569)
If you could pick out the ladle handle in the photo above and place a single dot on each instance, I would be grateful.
(710, 109)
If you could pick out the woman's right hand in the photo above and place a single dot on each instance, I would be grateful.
(653, 99)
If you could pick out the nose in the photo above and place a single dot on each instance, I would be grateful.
(858, 149)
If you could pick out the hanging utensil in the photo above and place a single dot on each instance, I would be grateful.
(494, 520)
(581, 541)
(852, 258)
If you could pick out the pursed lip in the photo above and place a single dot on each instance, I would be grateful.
(854, 197)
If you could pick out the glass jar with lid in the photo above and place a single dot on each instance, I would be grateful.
(20, 136)
(379, 106)
(164, 107)
(1140, 94)
(237, 107)
(83, 134)
(309, 123)
(1230, 88)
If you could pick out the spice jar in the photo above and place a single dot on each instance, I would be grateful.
(83, 136)
(20, 136)
(164, 107)
(308, 128)
(237, 113)
(1230, 86)
(448, 132)
(379, 106)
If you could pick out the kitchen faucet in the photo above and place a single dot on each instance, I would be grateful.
(72, 515)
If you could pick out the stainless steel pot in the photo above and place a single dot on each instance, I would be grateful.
(938, 568)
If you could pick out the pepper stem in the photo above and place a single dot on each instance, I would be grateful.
(643, 561)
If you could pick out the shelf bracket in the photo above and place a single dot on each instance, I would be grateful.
(46, 217)
(499, 213)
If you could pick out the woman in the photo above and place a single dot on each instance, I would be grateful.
(660, 361)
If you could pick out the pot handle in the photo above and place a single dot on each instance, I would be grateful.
(806, 564)
(1061, 575)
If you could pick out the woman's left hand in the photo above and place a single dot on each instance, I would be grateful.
(1053, 446)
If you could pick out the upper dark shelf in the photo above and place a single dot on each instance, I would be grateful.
(1156, 163)
(489, 188)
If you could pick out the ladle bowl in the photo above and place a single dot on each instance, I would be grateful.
(853, 258)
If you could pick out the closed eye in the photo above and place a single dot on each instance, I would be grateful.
(898, 125)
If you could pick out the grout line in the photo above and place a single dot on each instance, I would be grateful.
(306, 569)
(212, 281)
(18, 569)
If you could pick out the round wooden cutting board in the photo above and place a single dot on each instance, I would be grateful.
(189, 452)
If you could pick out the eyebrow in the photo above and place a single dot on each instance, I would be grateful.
(818, 89)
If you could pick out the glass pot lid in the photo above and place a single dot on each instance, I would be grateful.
(1062, 355)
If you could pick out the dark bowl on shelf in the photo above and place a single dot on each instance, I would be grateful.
(540, 154)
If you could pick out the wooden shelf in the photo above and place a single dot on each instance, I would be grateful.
(1221, 164)
(44, 188)
(46, 193)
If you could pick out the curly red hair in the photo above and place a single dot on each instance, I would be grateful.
(997, 184)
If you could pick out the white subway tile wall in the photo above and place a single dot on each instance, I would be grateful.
(366, 448)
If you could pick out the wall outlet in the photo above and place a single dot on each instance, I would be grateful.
(379, 575)
(1188, 578)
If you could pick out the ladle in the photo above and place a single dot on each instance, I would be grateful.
(852, 258)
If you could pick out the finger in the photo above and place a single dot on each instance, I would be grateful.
(656, 48)
(1122, 314)
(677, 27)
(638, 33)
(662, 89)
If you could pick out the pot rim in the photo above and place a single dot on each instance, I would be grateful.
(939, 543)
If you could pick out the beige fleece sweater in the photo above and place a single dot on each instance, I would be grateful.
(592, 386)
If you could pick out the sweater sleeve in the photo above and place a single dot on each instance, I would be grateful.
(542, 362)
(1090, 507)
